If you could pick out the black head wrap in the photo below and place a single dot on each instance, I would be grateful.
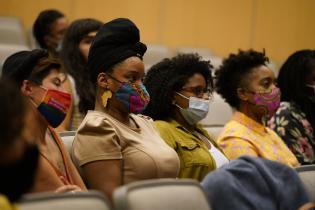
(116, 41)
(19, 66)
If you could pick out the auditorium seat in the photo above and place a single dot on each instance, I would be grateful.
(219, 114)
(11, 31)
(8, 49)
(67, 138)
(156, 53)
(161, 194)
(91, 200)
(307, 175)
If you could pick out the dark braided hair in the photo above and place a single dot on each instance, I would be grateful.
(291, 81)
(232, 74)
(170, 75)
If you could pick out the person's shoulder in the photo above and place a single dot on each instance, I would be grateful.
(162, 122)
(96, 125)
(286, 108)
(142, 120)
(163, 125)
(233, 129)
(95, 119)
(232, 125)
(289, 110)
(143, 117)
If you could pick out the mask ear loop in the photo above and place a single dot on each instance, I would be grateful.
(182, 95)
(174, 103)
(42, 99)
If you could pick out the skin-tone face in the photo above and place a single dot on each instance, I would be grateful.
(130, 70)
(58, 30)
(260, 79)
(196, 86)
(52, 81)
(85, 44)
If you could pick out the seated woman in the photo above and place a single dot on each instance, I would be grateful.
(180, 89)
(248, 85)
(74, 54)
(294, 121)
(38, 78)
(113, 145)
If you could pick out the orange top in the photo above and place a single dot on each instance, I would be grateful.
(48, 177)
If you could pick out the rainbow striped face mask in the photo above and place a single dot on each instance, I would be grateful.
(54, 106)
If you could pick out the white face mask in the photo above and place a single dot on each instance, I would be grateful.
(197, 110)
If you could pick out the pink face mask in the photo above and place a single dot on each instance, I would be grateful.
(269, 102)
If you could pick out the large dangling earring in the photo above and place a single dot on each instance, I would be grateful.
(106, 95)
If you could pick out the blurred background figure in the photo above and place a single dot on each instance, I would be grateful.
(74, 55)
(180, 90)
(294, 120)
(18, 147)
(49, 29)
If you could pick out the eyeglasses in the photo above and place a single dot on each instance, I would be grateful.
(198, 91)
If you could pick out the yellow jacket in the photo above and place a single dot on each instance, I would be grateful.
(5, 204)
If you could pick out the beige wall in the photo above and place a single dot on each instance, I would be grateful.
(279, 26)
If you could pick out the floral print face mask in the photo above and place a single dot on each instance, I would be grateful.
(268, 101)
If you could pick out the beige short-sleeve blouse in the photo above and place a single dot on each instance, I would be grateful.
(144, 154)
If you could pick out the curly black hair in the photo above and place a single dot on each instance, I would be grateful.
(43, 23)
(74, 62)
(291, 81)
(231, 75)
(170, 75)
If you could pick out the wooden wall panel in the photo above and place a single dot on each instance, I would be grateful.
(284, 26)
(280, 26)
